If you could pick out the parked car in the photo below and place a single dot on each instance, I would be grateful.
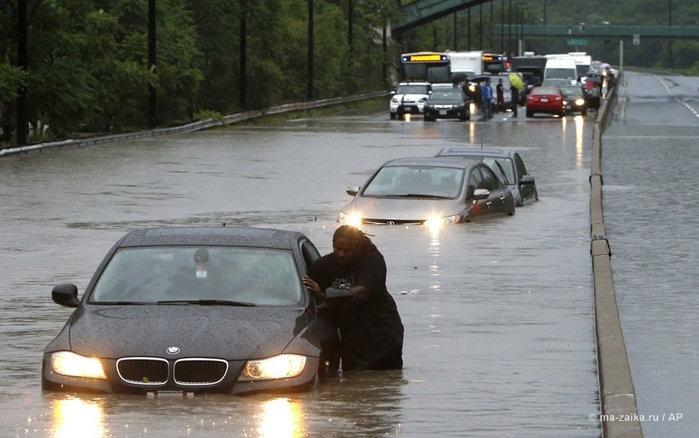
(409, 98)
(508, 166)
(191, 310)
(428, 191)
(575, 99)
(549, 100)
(447, 103)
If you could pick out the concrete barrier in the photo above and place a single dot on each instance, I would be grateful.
(618, 397)
(194, 126)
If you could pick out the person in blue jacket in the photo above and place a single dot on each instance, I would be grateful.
(487, 94)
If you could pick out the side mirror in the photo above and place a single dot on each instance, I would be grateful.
(527, 179)
(337, 298)
(65, 294)
(479, 194)
(352, 190)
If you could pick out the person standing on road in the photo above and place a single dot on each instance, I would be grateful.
(487, 97)
(371, 330)
(500, 93)
(514, 96)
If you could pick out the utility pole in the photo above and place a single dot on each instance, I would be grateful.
(22, 64)
(151, 63)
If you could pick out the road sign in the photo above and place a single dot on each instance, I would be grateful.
(577, 42)
(636, 40)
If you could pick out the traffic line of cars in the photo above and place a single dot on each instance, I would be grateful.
(457, 185)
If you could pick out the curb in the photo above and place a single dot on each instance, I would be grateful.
(618, 397)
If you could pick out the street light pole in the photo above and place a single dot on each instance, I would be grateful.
(669, 23)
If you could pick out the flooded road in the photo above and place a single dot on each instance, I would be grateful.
(499, 321)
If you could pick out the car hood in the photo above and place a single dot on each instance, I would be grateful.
(206, 331)
(402, 209)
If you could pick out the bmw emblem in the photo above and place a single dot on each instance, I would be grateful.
(173, 350)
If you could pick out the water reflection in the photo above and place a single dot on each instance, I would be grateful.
(579, 136)
(281, 418)
(75, 417)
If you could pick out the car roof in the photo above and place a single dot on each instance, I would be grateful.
(480, 152)
(430, 161)
(213, 236)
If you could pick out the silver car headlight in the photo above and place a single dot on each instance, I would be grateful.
(436, 222)
(349, 219)
(70, 364)
(283, 366)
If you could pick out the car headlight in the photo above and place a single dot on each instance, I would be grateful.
(70, 364)
(283, 366)
(349, 219)
(395, 100)
(580, 102)
(436, 222)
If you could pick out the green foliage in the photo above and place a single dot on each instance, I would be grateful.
(88, 68)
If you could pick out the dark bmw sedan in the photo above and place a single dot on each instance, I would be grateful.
(430, 191)
(189, 310)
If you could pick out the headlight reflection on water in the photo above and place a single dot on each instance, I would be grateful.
(281, 418)
(77, 418)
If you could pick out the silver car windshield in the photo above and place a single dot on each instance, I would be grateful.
(416, 181)
(200, 275)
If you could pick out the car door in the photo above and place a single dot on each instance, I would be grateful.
(496, 202)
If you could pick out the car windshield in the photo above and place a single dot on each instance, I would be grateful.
(544, 91)
(572, 91)
(416, 181)
(447, 95)
(413, 89)
(199, 275)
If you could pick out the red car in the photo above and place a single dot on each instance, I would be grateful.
(547, 100)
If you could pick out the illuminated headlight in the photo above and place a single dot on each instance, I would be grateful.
(349, 219)
(580, 102)
(283, 366)
(74, 365)
(436, 222)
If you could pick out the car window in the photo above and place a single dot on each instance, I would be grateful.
(503, 167)
(490, 182)
(519, 164)
(416, 181)
(475, 181)
(149, 275)
(413, 89)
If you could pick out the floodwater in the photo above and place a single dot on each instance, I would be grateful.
(498, 315)
(651, 210)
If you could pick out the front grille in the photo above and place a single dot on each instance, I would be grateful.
(392, 222)
(200, 371)
(146, 371)
(151, 371)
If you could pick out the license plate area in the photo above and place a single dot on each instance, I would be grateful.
(169, 394)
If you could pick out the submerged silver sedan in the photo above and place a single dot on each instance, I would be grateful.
(429, 191)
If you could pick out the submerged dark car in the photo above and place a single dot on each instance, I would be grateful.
(507, 164)
(188, 310)
(447, 103)
(431, 191)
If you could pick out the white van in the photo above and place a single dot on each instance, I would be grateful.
(561, 68)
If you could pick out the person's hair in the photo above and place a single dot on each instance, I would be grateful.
(356, 236)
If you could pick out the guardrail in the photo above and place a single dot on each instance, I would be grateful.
(617, 393)
(194, 126)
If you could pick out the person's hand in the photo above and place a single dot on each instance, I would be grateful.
(313, 287)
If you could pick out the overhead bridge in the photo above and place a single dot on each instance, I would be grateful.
(419, 12)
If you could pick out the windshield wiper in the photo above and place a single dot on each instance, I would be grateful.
(419, 195)
(210, 302)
